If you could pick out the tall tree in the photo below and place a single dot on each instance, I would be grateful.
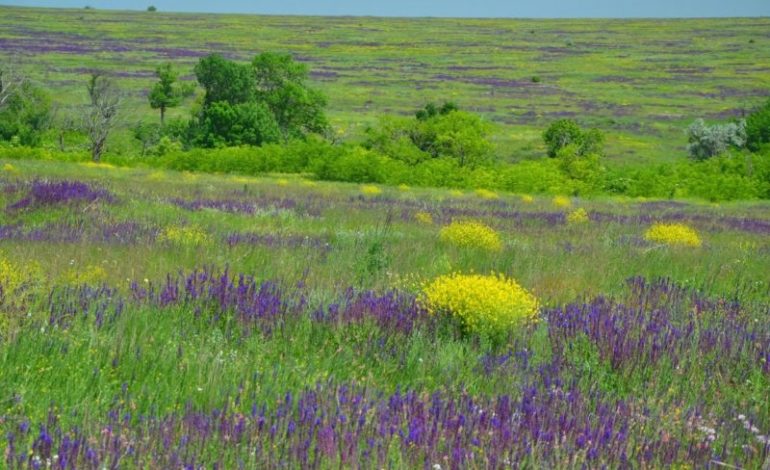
(105, 99)
(165, 94)
(25, 108)
(281, 85)
(224, 80)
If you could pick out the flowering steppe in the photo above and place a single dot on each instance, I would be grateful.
(173, 320)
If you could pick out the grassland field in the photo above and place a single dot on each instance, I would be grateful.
(640, 81)
(154, 319)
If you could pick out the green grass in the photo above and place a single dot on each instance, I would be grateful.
(641, 81)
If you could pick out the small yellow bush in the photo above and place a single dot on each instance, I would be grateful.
(9, 168)
(455, 193)
(491, 304)
(561, 201)
(282, 182)
(424, 218)
(527, 199)
(471, 235)
(88, 275)
(577, 217)
(486, 194)
(403, 187)
(13, 276)
(370, 190)
(673, 234)
(188, 236)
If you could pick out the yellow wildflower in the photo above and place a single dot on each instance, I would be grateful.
(471, 235)
(577, 217)
(484, 304)
(673, 234)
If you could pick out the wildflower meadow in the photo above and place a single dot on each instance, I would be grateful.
(224, 322)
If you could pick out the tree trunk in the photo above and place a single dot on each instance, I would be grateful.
(162, 115)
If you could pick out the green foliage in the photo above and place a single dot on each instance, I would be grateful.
(758, 127)
(165, 93)
(281, 84)
(25, 115)
(224, 80)
(709, 141)
(567, 132)
(434, 133)
(152, 8)
(224, 124)
(431, 110)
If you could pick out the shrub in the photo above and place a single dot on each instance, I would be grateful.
(185, 236)
(579, 216)
(673, 235)
(370, 190)
(489, 305)
(424, 218)
(473, 235)
(561, 201)
(710, 141)
(566, 132)
(486, 194)
(758, 127)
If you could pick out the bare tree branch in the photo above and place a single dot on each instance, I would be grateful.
(102, 113)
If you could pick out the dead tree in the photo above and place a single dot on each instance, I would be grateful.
(11, 80)
(102, 114)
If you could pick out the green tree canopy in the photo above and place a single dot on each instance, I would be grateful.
(25, 114)
(281, 83)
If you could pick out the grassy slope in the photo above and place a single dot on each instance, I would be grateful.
(642, 81)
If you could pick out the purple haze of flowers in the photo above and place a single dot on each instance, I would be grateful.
(347, 426)
(48, 193)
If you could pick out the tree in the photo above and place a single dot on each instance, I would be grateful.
(433, 133)
(566, 132)
(152, 9)
(224, 80)
(149, 134)
(105, 100)
(164, 94)
(25, 114)
(224, 124)
(281, 84)
(431, 110)
(710, 141)
(456, 134)
(758, 128)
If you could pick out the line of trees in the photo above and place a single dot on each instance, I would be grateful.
(269, 100)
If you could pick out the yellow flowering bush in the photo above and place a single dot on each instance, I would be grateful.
(486, 194)
(370, 190)
(282, 182)
(527, 199)
(455, 193)
(9, 168)
(471, 234)
(403, 187)
(188, 236)
(577, 217)
(13, 276)
(673, 234)
(561, 201)
(87, 275)
(424, 218)
(489, 305)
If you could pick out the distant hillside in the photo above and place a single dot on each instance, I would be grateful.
(642, 81)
